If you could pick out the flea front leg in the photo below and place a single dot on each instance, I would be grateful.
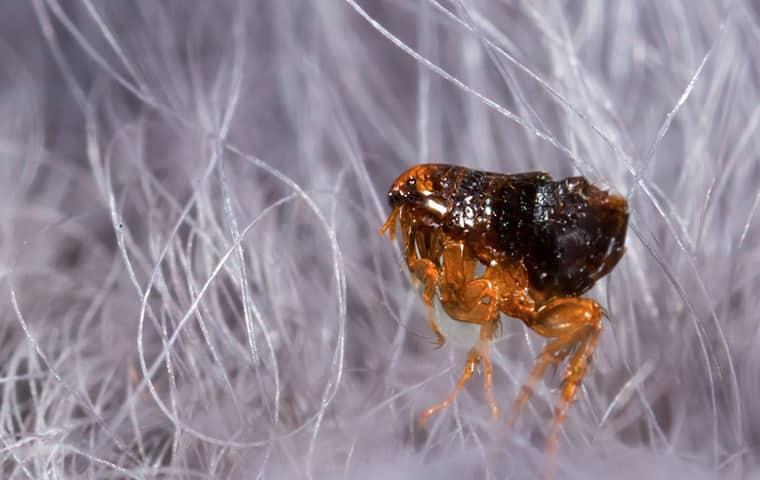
(426, 272)
(422, 269)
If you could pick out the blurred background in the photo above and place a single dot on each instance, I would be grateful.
(193, 285)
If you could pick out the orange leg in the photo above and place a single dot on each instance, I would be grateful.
(473, 301)
(421, 268)
(553, 353)
(421, 250)
(488, 384)
(477, 354)
(440, 340)
(574, 325)
(463, 300)
(390, 224)
(473, 358)
(426, 272)
(576, 370)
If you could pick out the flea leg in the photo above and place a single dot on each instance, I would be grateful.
(423, 269)
(390, 224)
(574, 325)
(488, 382)
(473, 301)
(418, 248)
(426, 272)
(576, 370)
(473, 358)
(464, 297)
(440, 340)
(553, 353)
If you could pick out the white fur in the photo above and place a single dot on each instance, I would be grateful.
(193, 282)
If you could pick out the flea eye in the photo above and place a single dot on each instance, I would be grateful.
(411, 182)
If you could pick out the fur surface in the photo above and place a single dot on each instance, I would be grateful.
(192, 281)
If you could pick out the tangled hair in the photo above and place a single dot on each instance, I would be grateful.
(192, 281)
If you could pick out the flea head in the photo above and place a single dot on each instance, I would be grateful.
(424, 190)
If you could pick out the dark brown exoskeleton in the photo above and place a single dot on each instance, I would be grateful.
(542, 244)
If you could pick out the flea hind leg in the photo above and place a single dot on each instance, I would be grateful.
(552, 354)
(574, 325)
(576, 370)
